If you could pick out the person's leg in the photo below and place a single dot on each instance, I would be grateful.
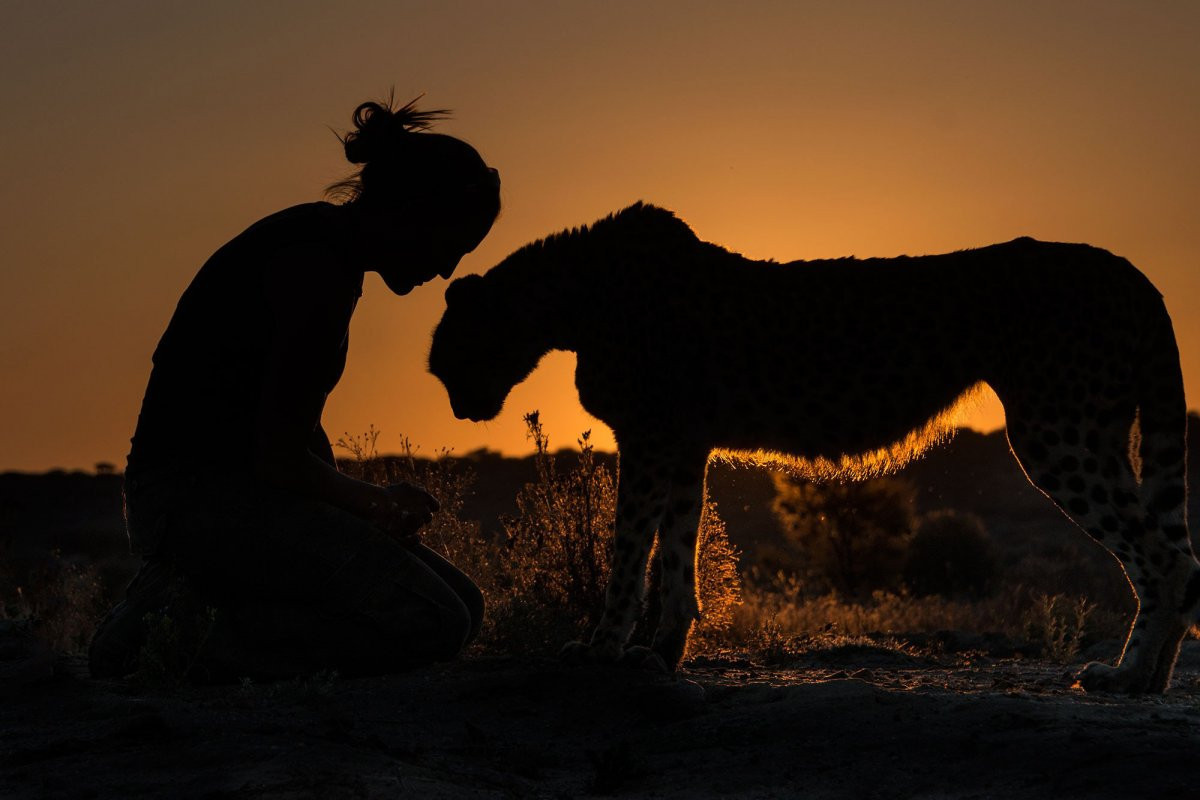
(118, 639)
(456, 579)
(304, 583)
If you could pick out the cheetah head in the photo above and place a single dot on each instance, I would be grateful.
(480, 350)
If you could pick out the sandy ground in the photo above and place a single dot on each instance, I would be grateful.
(849, 721)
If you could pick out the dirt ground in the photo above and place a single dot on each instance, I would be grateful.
(843, 721)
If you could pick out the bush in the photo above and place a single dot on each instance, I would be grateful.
(558, 551)
(545, 576)
(554, 561)
(1058, 623)
(63, 602)
(443, 477)
(951, 555)
(854, 536)
(175, 639)
(718, 580)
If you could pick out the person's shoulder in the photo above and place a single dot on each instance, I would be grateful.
(306, 239)
(308, 233)
(308, 221)
(305, 252)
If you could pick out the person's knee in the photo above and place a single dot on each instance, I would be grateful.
(456, 627)
(474, 601)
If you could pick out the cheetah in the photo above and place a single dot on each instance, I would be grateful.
(843, 368)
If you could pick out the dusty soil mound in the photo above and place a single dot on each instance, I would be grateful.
(882, 726)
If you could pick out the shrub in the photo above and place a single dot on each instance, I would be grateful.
(62, 600)
(1058, 623)
(950, 555)
(854, 536)
(545, 575)
(558, 550)
(175, 639)
(718, 580)
(443, 477)
(554, 559)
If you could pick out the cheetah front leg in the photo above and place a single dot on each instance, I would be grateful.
(677, 539)
(642, 486)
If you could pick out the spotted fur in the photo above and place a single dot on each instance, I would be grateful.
(844, 367)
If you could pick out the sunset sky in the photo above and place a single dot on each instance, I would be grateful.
(140, 136)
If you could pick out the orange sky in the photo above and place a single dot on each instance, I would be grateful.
(139, 137)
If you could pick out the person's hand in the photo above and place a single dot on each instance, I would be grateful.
(402, 510)
(413, 498)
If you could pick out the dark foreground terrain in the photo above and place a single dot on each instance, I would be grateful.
(930, 716)
(842, 721)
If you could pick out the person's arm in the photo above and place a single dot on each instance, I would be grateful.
(319, 446)
(310, 306)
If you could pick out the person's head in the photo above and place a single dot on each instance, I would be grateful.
(434, 191)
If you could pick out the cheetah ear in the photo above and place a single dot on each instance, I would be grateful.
(460, 289)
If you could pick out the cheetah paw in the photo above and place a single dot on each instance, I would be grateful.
(644, 658)
(1098, 677)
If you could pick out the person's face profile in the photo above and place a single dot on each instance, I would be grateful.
(408, 245)
(421, 256)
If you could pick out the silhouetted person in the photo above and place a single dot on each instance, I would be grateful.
(231, 491)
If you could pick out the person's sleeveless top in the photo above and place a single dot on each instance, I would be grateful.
(198, 415)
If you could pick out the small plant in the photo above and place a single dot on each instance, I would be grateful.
(554, 557)
(445, 478)
(1058, 623)
(718, 580)
(175, 639)
(307, 690)
(365, 463)
(62, 601)
(769, 643)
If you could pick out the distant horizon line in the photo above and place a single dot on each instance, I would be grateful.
(112, 468)
(115, 469)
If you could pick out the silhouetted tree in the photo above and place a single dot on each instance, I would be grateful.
(853, 535)
(950, 554)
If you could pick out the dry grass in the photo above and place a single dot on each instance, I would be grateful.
(544, 575)
(544, 572)
(779, 615)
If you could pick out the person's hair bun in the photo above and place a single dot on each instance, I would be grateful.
(380, 129)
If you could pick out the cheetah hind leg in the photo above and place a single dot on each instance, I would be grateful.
(1154, 641)
(1164, 495)
(1093, 483)
(1164, 571)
